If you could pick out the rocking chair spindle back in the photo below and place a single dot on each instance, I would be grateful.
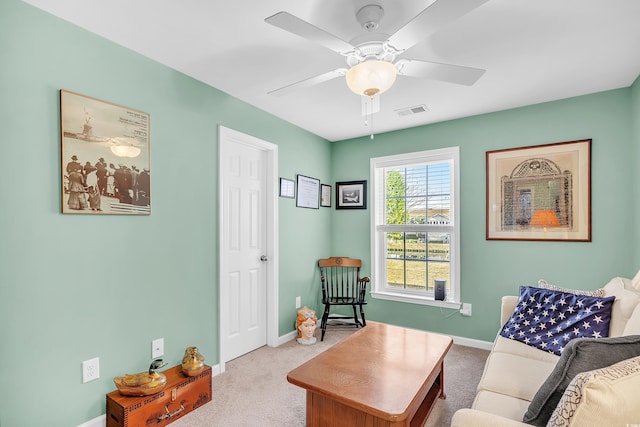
(342, 285)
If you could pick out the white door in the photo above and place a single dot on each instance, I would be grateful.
(245, 196)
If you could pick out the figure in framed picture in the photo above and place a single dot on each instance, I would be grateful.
(95, 134)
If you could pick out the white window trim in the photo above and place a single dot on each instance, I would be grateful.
(378, 269)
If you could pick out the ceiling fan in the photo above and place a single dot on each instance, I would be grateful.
(371, 57)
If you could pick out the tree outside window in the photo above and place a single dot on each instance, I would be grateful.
(415, 234)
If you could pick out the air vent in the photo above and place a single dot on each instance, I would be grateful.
(412, 110)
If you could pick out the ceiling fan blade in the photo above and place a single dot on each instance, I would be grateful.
(436, 71)
(435, 16)
(297, 26)
(302, 84)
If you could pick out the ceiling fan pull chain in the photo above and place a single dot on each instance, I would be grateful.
(371, 115)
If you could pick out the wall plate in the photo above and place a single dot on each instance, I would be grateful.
(90, 370)
(157, 348)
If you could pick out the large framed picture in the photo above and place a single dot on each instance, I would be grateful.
(540, 192)
(308, 195)
(105, 157)
(351, 195)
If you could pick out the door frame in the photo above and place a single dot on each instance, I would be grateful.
(271, 247)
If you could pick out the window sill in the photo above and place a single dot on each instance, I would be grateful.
(391, 296)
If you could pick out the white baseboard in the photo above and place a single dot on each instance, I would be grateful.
(288, 337)
(470, 342)
(215, 370)
(100, 421)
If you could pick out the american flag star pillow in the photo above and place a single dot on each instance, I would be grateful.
(547, 319)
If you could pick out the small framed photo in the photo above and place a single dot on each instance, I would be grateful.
(287, 188)
(308, 192)
(325, 197)
(351, 195)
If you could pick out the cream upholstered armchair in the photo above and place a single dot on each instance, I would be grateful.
(589, 384)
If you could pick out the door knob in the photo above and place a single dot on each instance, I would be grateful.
(264, 258)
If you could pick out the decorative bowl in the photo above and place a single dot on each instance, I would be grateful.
(141, 384)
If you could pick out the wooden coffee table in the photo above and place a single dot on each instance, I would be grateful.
(382, 375)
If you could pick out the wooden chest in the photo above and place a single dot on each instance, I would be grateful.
(180, 396)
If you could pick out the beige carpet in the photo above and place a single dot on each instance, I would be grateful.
(254, 392)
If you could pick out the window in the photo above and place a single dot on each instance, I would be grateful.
(415, 226)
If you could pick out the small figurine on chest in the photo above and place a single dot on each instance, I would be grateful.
(192, 362)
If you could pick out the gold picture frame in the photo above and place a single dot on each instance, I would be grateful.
(325, 195)
(540, 192)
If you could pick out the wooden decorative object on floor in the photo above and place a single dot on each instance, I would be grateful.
(306, 323)
(181, 395)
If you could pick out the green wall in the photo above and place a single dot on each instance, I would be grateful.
(74, 287)
(635, 160)
(491, 269)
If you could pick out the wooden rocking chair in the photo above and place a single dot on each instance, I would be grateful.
(342, 285)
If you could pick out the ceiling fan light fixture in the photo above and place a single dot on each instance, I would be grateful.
(371, 77)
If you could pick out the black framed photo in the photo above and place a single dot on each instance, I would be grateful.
(351, 195)
(325, 197)
(308, 195)
(287, 188)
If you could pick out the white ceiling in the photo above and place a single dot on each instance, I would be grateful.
(532, 50)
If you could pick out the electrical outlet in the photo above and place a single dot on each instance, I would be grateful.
(90, 370)
(298, 302)
(157, 348)
(466, 309)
